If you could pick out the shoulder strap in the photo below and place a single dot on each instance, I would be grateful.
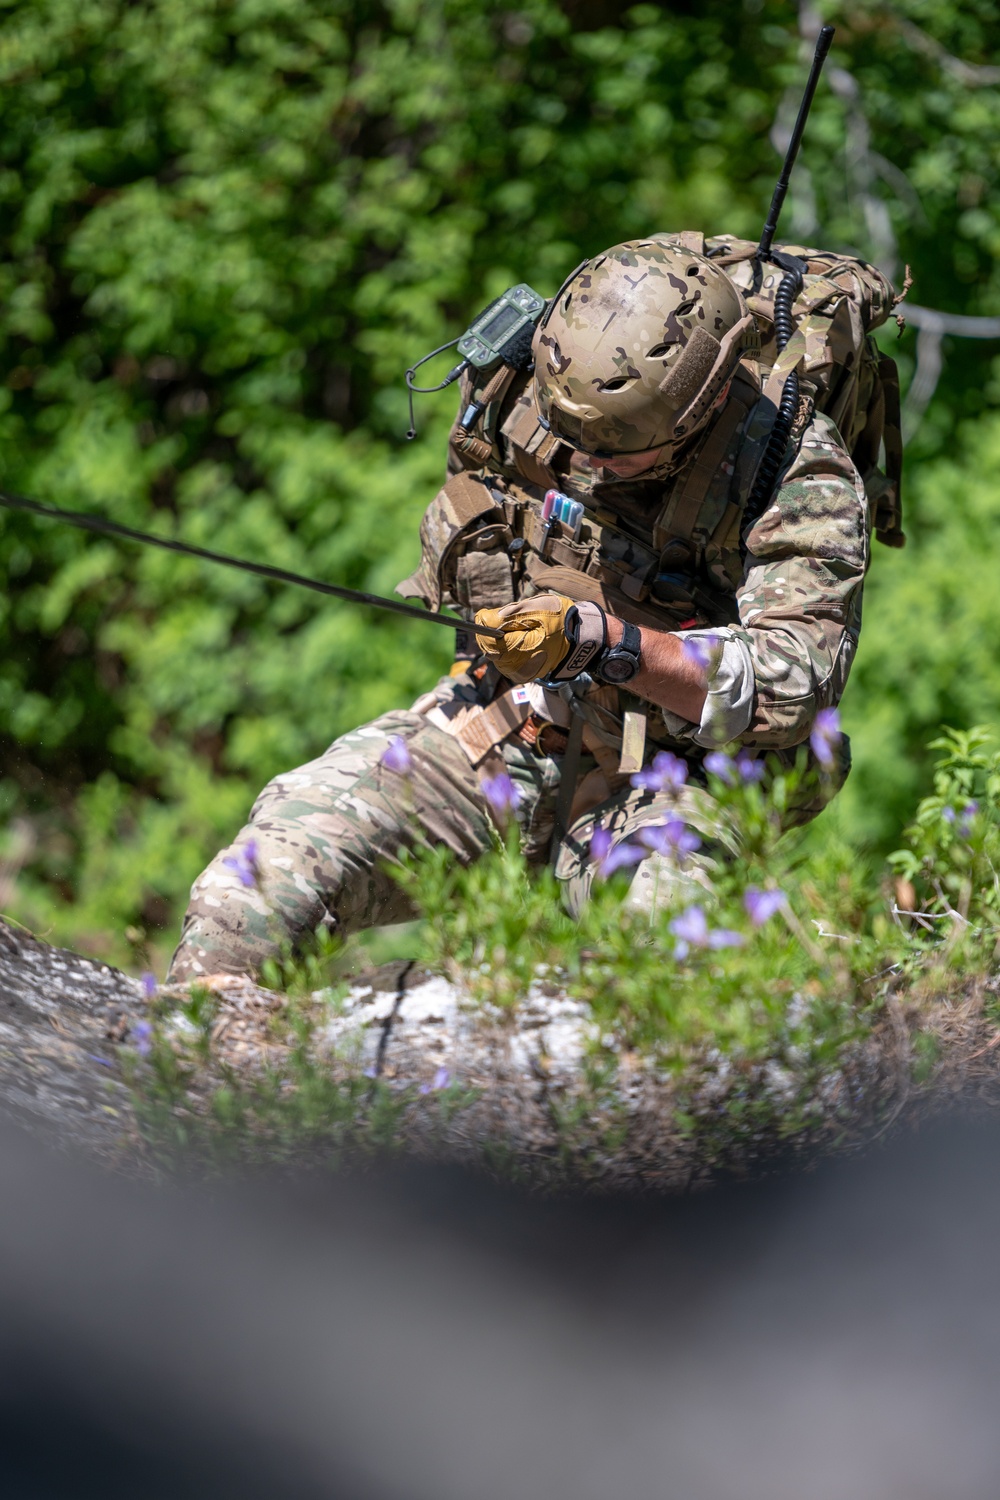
(687, 511)
(489, 401)
(463, 502)
(757, 442)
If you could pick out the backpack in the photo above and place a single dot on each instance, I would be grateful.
(841, 369)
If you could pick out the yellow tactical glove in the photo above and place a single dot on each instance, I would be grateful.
(534, 640)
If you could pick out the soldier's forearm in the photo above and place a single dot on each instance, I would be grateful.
(666, 677)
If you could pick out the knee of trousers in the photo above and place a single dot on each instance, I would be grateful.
(325, 836)
(660, 882)
(233, 924)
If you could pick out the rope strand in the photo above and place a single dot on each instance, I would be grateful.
(104, 527)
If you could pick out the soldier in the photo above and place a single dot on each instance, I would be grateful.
(655, 619)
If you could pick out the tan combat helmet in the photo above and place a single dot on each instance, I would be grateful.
(637, 347)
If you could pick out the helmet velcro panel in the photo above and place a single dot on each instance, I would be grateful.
(741, 337)
(687, 377)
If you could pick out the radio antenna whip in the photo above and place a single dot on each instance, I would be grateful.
(784, 299)
(781, 186)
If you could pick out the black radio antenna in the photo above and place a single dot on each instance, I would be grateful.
(781, 186)
(784, 298)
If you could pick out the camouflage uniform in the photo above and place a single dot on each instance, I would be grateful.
(322, 840)
(782, 600)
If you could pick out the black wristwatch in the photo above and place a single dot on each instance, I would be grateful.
(620, 663)
(587, 633)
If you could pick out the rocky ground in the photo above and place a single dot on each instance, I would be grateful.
(536, 1091)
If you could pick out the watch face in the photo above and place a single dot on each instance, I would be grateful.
(619, 669)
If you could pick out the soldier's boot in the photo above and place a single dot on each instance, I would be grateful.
(320, 844)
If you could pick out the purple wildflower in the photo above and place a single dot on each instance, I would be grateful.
(149, 986)
(600, 844)
(609, 857)
(826, 736)
(441, 1080)
(761, 905)
(668, 773)
(371, 1071)
(965, 822)
(691, 930)
(948, 814)
(748, 768)
(672, 837)
(142, 1037)
(725, 937)
(244, 863)
(396, 756)
(619, 857)
(719, 764)
(501, 793)
(700, 650)
(691, 926)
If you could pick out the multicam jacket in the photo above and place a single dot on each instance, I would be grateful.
(675, 550)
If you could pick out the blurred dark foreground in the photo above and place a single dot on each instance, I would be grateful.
(418, 1333)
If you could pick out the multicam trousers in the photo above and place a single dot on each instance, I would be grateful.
(321, 841)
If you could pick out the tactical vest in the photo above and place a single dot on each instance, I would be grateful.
(662, 550)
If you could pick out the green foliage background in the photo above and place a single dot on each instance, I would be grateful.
(226, 228)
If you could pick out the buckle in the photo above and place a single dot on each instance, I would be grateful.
(542, 736)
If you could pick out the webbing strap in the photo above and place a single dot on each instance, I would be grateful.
(761, 424)
(682, 511)
(568, 776)
(483, 729)
(492, 398)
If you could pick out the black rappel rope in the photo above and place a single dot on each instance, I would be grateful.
(104, 527)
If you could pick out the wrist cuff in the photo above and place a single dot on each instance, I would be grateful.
(587, 632)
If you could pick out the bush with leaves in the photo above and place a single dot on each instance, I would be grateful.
(789, 951)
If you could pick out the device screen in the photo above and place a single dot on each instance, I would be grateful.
(501, 322)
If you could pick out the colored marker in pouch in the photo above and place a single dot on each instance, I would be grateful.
(559, 507)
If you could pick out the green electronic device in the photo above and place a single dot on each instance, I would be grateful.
(502, 334)
(504, 330)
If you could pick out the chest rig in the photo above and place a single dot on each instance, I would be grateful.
(661, 551)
